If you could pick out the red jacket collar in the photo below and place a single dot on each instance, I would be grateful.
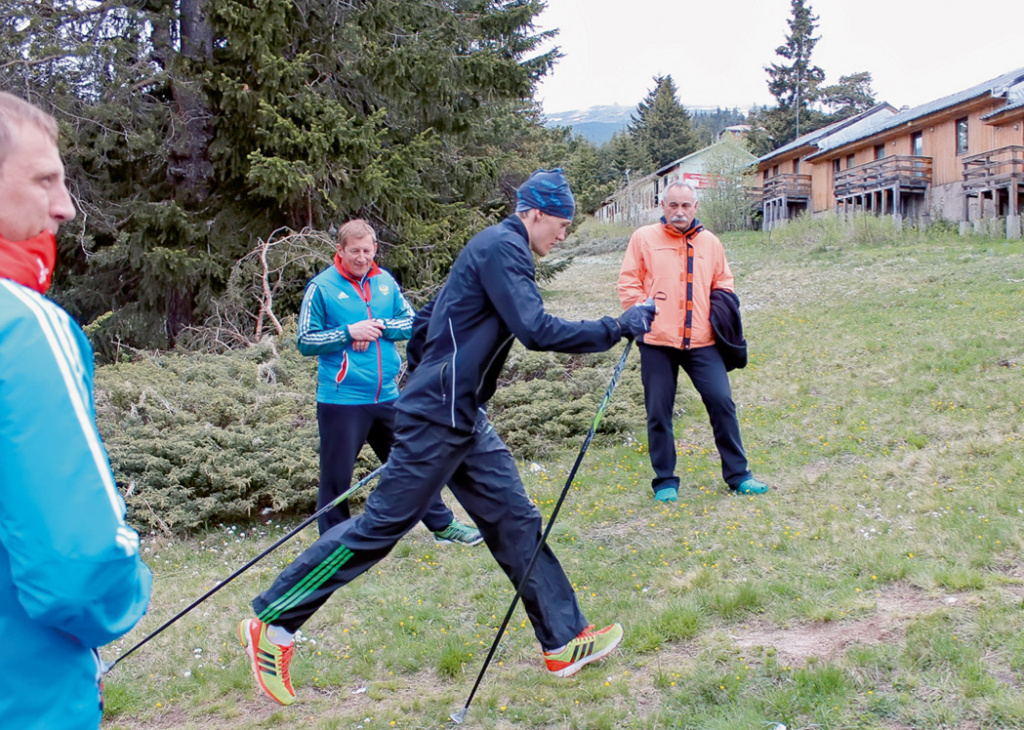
(29, 262)
(374, 271)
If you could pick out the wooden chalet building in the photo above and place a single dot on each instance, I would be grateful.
(789, 181)
(959, 158)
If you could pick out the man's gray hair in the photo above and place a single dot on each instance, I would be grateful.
(678, 184)
(15, 112)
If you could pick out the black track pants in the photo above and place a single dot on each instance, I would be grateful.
(343, 431)
(482, 474)
(659, 370)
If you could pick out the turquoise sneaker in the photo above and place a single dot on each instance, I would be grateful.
(459, 534)
(751, 486)
(667, 494)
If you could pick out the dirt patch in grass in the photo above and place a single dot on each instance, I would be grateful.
(826, 640)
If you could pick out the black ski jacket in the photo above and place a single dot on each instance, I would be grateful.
(489, 300)
(728, 328)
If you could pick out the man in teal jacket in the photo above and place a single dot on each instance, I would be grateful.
(71, 578)
(352, 314)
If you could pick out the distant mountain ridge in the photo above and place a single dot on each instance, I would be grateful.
(598, 123)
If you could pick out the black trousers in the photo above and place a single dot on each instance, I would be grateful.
(343, 431)
(659, 370)
(482, 474)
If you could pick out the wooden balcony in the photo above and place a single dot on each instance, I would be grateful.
(908, 172)
(997, 168)
(787, 185)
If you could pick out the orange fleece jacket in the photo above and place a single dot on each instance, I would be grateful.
(657, 261)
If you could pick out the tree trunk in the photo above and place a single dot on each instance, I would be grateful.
(189, 169)
(180, 306)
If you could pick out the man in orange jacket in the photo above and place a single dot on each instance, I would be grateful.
(680, 263)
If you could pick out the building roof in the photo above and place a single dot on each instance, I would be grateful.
(883, 117)
(851, 125)
(1014, 100)
(1009, 85)
(1003, 110)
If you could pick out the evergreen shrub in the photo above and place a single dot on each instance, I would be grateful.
(547, 401)
(198, 439)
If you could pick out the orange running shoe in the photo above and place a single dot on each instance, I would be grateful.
(269, 661)
(588, 647)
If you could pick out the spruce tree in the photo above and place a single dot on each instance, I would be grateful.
(662, 125)
(196, 127)
(622, 156)
(794, 83)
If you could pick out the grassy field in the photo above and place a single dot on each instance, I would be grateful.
(878, 585)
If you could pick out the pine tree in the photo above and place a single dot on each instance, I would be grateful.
(852, 95)
(584, 169)
(623, 156)
(795, 85)
(662, 125)
(799, 91)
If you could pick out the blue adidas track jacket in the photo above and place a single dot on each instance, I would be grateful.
(71, 578)
(330, 304)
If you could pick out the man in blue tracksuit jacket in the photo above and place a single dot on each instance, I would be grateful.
(489, 300)
(71, 578)
(352, 314)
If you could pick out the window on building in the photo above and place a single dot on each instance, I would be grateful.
(849, 161)
(917, 150)
(796, 167)
(961, 136)
(775, 171)
(879, 151)
(836, 166)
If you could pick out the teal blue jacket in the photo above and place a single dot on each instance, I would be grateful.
(71, 578)
(331, 303)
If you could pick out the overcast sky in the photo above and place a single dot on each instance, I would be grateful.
(716, 50)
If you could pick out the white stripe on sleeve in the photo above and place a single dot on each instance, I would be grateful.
(68, 359)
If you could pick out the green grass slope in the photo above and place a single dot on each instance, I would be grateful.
(877, 585)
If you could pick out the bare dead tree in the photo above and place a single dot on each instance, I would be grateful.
(274, 264)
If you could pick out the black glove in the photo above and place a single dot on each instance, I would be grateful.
(636, 320)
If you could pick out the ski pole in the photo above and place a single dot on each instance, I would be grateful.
(459, 716)
(107, 666)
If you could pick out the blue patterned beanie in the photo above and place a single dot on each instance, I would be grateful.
(547, 191)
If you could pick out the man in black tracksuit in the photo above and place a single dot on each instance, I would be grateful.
(442, 436)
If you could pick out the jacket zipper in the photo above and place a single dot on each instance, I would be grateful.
(367, 298)
(455, 351)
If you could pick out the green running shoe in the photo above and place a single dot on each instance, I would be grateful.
(588, 647)
(459, 534)
(269, 661)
